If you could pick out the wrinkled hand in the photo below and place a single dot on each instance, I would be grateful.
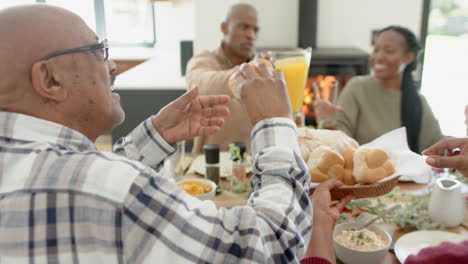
(321, 199)
(325, 112)
(454, 160)
(263, 92)
(190, 116)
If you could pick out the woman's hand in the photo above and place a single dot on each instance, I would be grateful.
(321, 199)
(325, 112)
(325, 217)
(454, 160)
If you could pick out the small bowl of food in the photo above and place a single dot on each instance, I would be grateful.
(203, 189)
(367, 245)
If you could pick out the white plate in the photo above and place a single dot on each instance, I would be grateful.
(405, 179)
(413, 242)
(225, 164)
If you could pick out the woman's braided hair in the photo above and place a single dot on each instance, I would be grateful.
(411, 106)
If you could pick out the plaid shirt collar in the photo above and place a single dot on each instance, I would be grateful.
(28, 128)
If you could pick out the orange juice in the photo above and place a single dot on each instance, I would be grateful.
(295, 70)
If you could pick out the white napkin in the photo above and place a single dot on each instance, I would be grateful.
(406, 162)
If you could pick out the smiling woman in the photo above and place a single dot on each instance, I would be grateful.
(389, 98)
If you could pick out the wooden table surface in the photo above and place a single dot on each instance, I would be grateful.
(228, 199)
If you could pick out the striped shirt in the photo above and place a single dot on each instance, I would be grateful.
(62, 201)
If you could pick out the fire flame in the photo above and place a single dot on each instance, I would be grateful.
(324, 84)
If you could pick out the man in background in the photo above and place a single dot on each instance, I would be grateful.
(210, 71)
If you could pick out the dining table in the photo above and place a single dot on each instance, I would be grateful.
(227, 198)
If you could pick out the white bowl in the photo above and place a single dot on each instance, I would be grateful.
(206, 196)
(353, 256)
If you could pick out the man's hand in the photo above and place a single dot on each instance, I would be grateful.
(321, 200)
(264, 93)
(190, 116)
(454, 160)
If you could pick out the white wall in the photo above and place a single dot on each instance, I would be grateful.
(174, 22)
(349, 23)
(278, 21)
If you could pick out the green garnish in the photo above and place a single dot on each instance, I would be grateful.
(235, 153)
(413, 215)
(238, 186)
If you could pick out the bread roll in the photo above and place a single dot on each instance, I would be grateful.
(317, 176)
(348, 177)
(235, 87)
(335, 139)
(371, 165)
(348, 158)
(325, 163)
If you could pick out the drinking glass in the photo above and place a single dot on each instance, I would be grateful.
(174, 165)
(295, 67)
(325, 94)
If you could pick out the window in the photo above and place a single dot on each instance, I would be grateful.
(122, 22)
(10, 3)
(445, 67)
(132, 22)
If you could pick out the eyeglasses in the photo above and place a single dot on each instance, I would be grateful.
(103, 46)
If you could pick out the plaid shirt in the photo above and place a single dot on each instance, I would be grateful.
(62, 201)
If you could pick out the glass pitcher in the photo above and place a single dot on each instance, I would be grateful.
(295, 66)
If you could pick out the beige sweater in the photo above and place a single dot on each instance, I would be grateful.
(369, 111)
(210, 70)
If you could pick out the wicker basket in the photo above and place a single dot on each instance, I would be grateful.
(363, 191)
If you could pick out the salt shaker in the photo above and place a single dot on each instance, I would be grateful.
(212, 162)
(238, 164)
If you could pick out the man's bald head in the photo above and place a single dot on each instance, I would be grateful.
(240, 32)
(72, 89)
(33, 31)
(238, 9)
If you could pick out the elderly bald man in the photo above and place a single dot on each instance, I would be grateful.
(62, 201)
(210, 71)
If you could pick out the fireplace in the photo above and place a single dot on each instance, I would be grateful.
(329, 65)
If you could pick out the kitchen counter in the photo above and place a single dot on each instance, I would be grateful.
(161, 71)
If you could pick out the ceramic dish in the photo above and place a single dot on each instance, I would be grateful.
(208, 195)
(354, 256)
(405, 179)
(413, 242)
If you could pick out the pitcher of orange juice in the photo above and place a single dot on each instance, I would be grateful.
(295, 67)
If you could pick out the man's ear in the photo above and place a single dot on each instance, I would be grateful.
(47, 82)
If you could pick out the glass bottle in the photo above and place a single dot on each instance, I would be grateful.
(212, 162)
(238, 163)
